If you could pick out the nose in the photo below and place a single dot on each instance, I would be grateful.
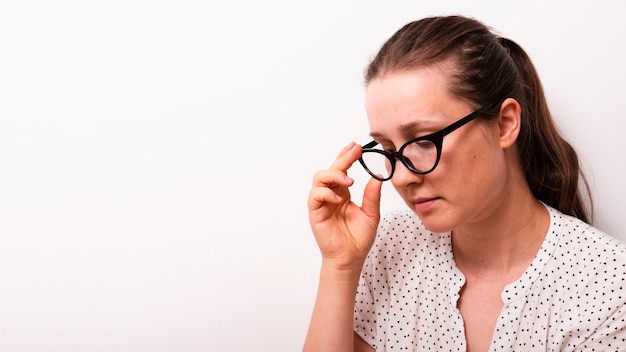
(402, 176)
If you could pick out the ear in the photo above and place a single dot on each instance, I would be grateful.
(509, 122)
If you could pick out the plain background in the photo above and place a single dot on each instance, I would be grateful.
(155, 156)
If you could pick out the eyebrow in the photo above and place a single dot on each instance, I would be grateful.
(407, 127)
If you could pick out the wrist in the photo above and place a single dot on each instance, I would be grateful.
(341, 272)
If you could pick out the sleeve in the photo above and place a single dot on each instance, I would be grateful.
(601, 306)
(373, 278)
(365, 310)
(610, 335)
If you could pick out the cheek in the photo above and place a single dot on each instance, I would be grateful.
(472, 151)
(471, 166)
(484, 174)
(460, 159)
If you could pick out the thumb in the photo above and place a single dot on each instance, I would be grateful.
(371, 198)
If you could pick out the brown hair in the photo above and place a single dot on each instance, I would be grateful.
(487, 69)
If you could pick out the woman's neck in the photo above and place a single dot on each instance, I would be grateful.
(504, 243)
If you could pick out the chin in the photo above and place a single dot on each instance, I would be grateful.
(437, 218)
(435, 224)
(437, 229)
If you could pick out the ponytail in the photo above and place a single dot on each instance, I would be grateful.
(549, 162)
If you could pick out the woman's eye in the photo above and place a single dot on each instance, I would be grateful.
(425, 144)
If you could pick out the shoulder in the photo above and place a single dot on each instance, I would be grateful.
(589, 273)
(585, 241)
(590, 264)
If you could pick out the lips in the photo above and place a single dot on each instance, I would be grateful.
(425, 204)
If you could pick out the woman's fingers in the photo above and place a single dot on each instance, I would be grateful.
(321, 195)
(331, 186)
(336, 175)
(344, 231)
(348, 155)
(371, 198)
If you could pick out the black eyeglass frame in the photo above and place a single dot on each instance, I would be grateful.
(436, 138)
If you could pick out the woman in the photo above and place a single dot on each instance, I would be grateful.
(494, 252)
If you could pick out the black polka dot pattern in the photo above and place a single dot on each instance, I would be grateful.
(571, 298)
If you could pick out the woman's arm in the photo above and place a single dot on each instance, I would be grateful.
(344, 233)
(360, 345)
(331, 327)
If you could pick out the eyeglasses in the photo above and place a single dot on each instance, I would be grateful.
(420, 155)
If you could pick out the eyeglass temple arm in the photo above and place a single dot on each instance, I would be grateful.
(466, 119)
(370, 145)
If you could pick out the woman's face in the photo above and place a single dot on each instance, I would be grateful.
(471, 177)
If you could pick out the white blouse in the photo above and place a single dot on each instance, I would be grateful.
(571, 298)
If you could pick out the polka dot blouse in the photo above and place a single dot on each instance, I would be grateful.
(571, 298)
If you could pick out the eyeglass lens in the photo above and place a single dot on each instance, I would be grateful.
(421, 156)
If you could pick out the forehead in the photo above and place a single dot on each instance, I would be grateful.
(407, 85)
(410, 98)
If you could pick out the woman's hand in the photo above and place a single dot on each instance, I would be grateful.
(344, 231)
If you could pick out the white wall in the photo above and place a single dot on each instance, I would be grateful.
(155, 156)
